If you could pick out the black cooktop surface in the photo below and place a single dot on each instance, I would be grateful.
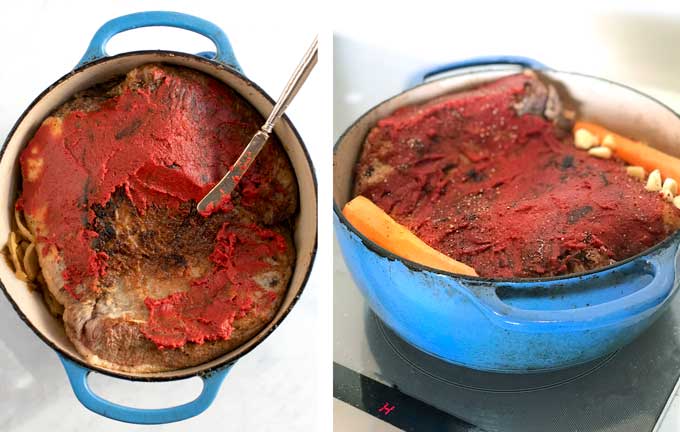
(378, 372)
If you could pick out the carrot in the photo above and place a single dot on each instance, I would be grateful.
(380, 228)
(634, 152)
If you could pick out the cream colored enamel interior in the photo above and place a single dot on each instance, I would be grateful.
(618, 108)
(31, 304)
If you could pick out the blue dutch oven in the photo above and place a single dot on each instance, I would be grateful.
(514, 325)
(95, 67)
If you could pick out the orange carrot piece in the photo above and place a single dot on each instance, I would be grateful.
(634, 152)
(380, 228)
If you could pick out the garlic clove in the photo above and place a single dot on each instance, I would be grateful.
(584, 140)
(636, 172)
(654, 181)
(601, 152)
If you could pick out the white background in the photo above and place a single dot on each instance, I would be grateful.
(284, 384)
(633, 42)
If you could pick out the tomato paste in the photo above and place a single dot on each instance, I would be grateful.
(505, 193)
(164, 143)
(207, 310)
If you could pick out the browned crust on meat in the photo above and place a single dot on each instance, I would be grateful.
(394, 147)
(159, 253)
(118, 341)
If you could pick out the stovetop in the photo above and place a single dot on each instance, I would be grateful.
(382, 375)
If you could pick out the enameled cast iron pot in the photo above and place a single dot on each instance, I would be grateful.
(96, 67)
(520, 325)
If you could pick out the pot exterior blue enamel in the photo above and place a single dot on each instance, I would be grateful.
(514, 327)
(509, 326)
(224, 54)
(77, 376)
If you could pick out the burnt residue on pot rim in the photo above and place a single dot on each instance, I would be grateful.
(206, 372)
(674, 238)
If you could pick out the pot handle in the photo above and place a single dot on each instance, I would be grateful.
(513, 318)
(77, 376)
(431, 71)
(225, 54)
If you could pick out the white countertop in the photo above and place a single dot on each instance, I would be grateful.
(275, 387)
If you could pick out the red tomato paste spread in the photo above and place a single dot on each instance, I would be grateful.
(206, 311)
(164, 145)
(505, 193)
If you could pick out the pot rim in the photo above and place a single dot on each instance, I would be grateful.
(384, 253)
(227, 363)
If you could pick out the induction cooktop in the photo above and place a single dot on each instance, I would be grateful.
(385, 377)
